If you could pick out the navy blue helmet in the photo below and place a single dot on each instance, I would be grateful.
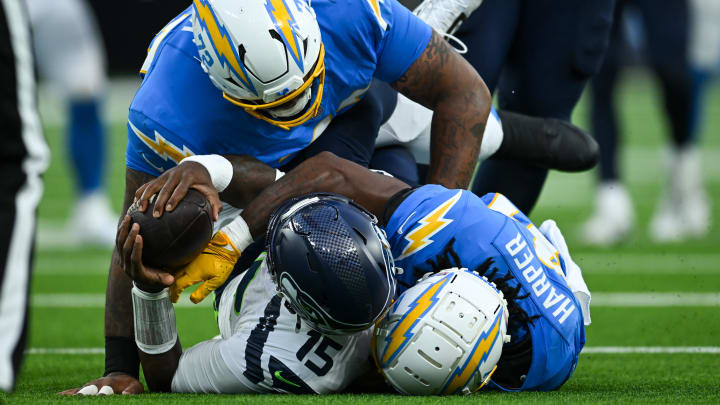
(331, 261)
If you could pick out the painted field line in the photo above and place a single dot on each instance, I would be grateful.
(599, 299)
(96, 301)
(586, 350)
(655, 299)
(645, 263)
(591, 263)
(66, 350)
(652, 350)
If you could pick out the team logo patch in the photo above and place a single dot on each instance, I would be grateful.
(432, 223)
(164, 149)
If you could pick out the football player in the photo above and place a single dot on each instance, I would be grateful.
(536, 56)
(286, 325)
(267, 79)
(71, 57)
(283, 73)
(430, 228)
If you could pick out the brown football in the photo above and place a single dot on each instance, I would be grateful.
(177, 237)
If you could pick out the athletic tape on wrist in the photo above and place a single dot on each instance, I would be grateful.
(239, 233)
(154, 319)
(220, 169)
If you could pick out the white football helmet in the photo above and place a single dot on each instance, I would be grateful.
(266, 56)
(444, 335)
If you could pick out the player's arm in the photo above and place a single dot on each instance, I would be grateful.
(243, 179)
(324, 172)
(121, 357)
(253, 186)
(443, 81)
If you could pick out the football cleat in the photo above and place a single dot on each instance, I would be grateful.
(93, 221)
(546, 142)
(613, 219)
(442, 336)
(684, 209)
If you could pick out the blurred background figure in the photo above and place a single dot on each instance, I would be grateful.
(704, 56)
(71, 57)
(682, 211)
(536, 56)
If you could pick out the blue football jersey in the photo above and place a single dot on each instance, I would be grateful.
(177, 112)
(492, 227)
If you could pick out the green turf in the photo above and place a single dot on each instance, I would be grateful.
(637, 266)
(642, 378)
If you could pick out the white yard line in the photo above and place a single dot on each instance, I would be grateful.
(652, 350)
(66, 350)
(95, 301)
(586, 350)
(648, 263)
(599, 299)
(655, 299)
(591, 263)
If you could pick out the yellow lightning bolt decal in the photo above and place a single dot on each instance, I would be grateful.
(432, 223)
(162, 147)
(399, 336)
(375, 5)
(220, 39)
(463, 374)
(284, 22)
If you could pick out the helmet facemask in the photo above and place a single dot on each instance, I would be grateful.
(295, 108)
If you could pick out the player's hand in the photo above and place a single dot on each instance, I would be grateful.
(172, 186)
(129, 246)
(211, 267)
(113, 383)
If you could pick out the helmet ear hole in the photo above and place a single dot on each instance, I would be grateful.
(275, 35)
(310, 263)
(241, 53)
(364, 239)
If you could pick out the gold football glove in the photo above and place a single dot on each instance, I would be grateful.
(211, 268)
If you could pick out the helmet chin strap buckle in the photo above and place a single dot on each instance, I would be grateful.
(295, 108)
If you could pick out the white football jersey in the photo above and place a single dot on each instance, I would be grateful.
(265, 347)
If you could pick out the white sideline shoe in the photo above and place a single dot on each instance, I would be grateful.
(445, 16)
(684, 209)
(613, 219)
(93, 221)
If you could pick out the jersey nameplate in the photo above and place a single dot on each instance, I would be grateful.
(542, 289)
